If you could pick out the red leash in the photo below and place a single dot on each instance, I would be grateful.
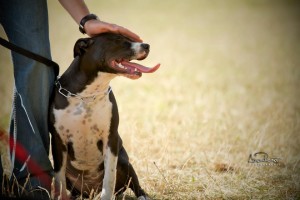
(22, 155)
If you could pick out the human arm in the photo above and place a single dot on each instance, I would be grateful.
(78, 9)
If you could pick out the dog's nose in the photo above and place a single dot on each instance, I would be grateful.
(145, 46)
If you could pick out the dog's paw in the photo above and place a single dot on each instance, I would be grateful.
(143, 198)
(105, 196)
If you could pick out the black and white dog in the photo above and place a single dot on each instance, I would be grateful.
(87, 150)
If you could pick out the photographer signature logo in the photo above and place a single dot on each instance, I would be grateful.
(262, 158)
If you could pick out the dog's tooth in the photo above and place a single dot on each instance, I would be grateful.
(120, 65)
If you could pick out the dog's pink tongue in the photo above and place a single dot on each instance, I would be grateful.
(140, 68)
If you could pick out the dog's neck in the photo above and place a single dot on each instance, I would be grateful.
(85, 77)
(99, 86)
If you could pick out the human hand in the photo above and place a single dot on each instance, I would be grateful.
(94, 27)
(78, 10)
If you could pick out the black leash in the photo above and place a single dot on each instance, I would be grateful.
(31, 55)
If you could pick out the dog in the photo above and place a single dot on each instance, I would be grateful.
(87, 149)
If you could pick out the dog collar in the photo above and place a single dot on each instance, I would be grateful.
(86, 99)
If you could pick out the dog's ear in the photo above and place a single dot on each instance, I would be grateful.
(81, 45)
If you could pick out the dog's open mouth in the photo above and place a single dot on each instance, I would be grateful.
(130, 69)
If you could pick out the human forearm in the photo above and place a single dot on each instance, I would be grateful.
(76, 8)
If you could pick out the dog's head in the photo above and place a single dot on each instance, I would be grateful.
(113, 53)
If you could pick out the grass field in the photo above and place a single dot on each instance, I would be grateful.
(228, 87)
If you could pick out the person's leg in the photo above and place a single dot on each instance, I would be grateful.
(26, 24)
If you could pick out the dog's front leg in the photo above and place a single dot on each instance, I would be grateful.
(111, 154)
(59, 152)
(60, 180)
(110, 170)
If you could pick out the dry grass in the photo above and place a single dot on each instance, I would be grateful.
(228, 86)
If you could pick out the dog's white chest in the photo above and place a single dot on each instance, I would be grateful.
(85, 125)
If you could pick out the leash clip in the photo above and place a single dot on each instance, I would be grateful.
(61, 90)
